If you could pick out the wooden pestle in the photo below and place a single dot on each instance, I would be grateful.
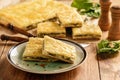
(114, 32)
(104, 21)
(11, 38)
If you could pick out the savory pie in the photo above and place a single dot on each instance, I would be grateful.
(33, 51)
(26, 15)
(68, 16)
(90, 31)
(59, 50)
(50, 28)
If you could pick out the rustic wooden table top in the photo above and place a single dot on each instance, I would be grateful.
(90, 69)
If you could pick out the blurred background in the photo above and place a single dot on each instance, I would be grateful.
(4, 3)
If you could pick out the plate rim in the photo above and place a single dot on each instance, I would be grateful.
(68, 69)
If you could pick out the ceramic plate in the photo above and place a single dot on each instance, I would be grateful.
(15, 58)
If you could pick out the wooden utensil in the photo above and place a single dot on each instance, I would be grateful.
(18, 30)
(13, 38)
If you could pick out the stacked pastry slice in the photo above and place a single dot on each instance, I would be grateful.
(87, 31)
(33, 51)
(59, 50)
(68, 16)
(49, 49)
(50, 28)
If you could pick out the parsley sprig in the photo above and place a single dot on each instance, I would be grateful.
(106, 46)
(86, 7)
(108, 49)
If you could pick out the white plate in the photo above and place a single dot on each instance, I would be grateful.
(15, 58)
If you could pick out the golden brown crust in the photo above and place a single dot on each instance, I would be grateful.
(33, 51)
(25, 16)
(59, 50)
(87, 32)
(51, 29)
(68, 16)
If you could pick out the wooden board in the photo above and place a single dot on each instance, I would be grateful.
(110, 69)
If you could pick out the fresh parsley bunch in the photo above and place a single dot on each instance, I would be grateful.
(106, 46)
(87, 7)
(108, 49)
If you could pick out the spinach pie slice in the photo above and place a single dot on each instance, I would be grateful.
(26, 15)
(87, 31)
(59, 50)
(51, 29)
(68, 16)
(33, 51)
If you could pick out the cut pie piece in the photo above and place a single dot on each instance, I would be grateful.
(59, 50)
(68, 16)
(50, 28)
(26, 15)
(87, 31)
(33, 51)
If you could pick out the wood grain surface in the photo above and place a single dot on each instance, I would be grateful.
(90, 69)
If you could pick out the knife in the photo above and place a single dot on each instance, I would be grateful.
(18, 30)
(13, 38)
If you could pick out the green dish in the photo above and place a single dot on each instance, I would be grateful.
(15, 58)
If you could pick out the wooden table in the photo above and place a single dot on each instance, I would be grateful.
(90, 69)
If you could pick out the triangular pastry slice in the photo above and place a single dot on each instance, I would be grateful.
(33, 51)
(59, 50)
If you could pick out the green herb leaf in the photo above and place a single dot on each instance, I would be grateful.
(87, 8)
(106, 46)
